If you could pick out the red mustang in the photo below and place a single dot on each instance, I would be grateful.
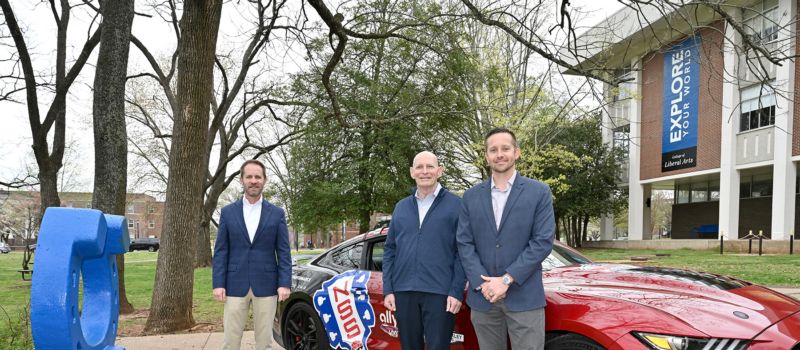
(337, 302)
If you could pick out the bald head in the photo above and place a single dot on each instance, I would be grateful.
(425, 156)
(426, 172)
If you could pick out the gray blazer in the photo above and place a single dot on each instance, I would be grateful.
(524, 240)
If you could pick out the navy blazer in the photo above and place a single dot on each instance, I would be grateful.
(262, 265)
(420, 256)
(524, 240)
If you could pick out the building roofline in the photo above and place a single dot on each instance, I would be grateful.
(630, 33)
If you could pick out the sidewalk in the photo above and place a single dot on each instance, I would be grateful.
(213, 341)
(205, 341)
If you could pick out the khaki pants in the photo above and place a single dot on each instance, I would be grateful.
(236, 317)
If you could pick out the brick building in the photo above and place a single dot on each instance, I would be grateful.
(703, 117)
(144, 213)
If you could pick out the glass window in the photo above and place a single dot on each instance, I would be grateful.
(757, 107)
(682, 193)
(761, 22)
(151, 224)
(713, 190)
(130, 223)
(622, 139)
(376, 256)
(699, 192)
(623, 90)
(762, 185)
(131, 208)
(744, 187)
(348, 257)
(561, 256)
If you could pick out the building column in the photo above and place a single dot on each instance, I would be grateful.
(728, 175)
(784, 173)
(607, 133)
(607, 227)
(638, 213)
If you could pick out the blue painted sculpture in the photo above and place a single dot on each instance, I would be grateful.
(77, 244)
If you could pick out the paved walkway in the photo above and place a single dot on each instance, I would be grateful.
(205, 341)
(213, 341)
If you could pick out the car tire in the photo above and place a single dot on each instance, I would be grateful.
(302, 329)
(151, 249)
(571, 341)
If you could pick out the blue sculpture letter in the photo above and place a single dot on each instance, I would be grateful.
(77, 244)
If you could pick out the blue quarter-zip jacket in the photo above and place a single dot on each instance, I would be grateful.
(424, 258)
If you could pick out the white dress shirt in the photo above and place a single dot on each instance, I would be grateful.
(500, 197)
(424, 204)
(252, 216)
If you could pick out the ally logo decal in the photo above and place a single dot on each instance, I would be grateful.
(343, 305)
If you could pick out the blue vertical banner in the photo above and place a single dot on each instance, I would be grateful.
(681, 90)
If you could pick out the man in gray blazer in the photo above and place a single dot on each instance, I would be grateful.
(505, 231)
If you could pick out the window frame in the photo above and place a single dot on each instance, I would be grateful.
(761, 105)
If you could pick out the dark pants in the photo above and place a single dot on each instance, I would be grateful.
(423, 317)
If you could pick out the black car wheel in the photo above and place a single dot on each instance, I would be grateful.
(151, 249)
(571, 342)
(302, 329)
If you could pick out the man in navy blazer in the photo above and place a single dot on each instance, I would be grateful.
(252, 260)
(423, 282)
(505, 231)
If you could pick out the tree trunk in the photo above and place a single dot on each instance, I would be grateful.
(48, 188)
(202, 253)
(49, 159)
(110, 136)
(558, 227)
(363, 221)
(575, 228)
(171, 309)
(584, 228)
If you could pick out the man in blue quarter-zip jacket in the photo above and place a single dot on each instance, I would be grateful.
(423, 281)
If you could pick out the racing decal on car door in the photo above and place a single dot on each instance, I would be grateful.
(344, 308)
(389, 323)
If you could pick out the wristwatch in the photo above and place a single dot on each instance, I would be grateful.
(507, 279)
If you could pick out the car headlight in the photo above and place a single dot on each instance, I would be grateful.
(677, 342)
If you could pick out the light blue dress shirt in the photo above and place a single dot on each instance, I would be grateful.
(424, 204)
(500, 197)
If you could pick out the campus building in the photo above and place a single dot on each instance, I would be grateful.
(144, 213)
(703, 116)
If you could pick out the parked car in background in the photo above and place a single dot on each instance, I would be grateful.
(337, 301)
(149, 244)
(4, 248)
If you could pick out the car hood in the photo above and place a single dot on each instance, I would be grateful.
(717, 306)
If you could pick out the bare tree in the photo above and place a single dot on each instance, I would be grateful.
(171, 308)
(110, 146)
(48, 157)
(233, 132)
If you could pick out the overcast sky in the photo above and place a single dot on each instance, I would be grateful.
(15, 140)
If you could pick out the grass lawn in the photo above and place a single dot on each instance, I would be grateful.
(139, 277)
(774, 270)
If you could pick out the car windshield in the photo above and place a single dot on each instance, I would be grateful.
(561, 256)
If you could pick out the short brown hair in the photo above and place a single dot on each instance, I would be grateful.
(501, 131)
(256, 162)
